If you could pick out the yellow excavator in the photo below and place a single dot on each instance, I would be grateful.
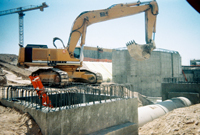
(67, 62)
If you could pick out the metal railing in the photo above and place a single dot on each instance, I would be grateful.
(181, 80)
(66, 98)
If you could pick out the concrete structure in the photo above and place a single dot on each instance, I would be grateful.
(97, 53)
(188, 90)
(192, 73)
(194, 62)
(117, 117)
(146, 76)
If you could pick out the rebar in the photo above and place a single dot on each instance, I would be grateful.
(68, 97)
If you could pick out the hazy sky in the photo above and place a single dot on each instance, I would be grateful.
(178, 26)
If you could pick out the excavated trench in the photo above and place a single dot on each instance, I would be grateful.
(77, 108)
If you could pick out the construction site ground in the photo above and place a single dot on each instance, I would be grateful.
(182, 121)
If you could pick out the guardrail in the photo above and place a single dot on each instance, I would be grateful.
(70, 97)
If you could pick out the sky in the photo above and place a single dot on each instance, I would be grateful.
(177, 28)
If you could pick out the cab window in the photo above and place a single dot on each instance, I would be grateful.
(77, 52)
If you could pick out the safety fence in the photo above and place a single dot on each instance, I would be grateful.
(69, 97)
(181, 80)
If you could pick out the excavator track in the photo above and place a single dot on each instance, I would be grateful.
(97, 79)
(64, 79)
(52, 76)
(57, 77)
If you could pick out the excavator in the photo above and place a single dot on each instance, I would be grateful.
(66, 63)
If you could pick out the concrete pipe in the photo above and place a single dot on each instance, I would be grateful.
(151, 112)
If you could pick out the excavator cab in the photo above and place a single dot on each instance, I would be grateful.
(77, 52)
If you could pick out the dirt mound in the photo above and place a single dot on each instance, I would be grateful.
(3, 79)
(16, 70)
(9, 63)
(9, 58)
(142, 100)
(13, 79)
(182, 121)
(13, 121)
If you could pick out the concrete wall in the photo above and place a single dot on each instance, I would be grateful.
(192, 73)
(92, 52)
(190, 91)
(146, 76)
(83, 120)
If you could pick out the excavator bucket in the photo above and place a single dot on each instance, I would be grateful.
(140, 52)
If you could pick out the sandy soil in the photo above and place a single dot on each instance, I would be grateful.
(9, 58)
(182, 121)
(14, 122)
(14, 79)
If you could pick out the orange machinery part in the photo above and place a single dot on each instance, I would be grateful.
(184, 76)
(37, 84)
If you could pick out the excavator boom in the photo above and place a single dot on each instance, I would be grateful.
(115, 11)
(66, 63)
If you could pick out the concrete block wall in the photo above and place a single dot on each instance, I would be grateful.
(166, 58)
(120, 74)
(92, 52)
(188, 90)
(177, 70)
(146, 76)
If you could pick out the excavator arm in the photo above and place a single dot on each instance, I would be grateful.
(66, 62)
(116, 11)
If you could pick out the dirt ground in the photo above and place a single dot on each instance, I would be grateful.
(15, 122)
(182, 121)
(12, 121)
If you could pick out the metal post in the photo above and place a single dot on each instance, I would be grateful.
(21, 29)
(32, 97)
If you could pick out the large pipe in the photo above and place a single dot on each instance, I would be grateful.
(151, 112)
